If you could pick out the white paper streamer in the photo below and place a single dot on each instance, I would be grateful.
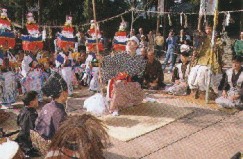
(227, 20)
(181, 18)
(170, 23)
(186, 24)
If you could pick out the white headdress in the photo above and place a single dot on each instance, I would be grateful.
(30, 18)
(4, 13)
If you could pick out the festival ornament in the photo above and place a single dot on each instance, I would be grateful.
(30, 18)
(7, 37)
(49, 32)
(186, 24)
(32, 41)
(181, 19)
(227, 20)
(120, 38)
(44, 34)
(170, 22)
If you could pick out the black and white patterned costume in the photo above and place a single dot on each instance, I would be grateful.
(122, 62)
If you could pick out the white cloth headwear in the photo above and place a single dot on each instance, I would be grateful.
(134, 38)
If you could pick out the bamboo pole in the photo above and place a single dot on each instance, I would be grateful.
(97, 49)
(96, 31)
(199, 22)
(212, 49)
(132, 20)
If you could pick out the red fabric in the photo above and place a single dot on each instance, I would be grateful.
(32, 27)
(121, 33)
(92, 31)
(62, 44)
(92, 45)
(118, 47)
(5, 22)
(120, 76)
(68, 29)
(31, 46)
(11, 42)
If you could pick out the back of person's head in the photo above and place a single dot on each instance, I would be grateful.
(85, 134)
(29, 96)
(54, 86)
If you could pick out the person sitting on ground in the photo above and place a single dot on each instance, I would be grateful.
(153, 74)
(79, 137)
(53, 113)
(180, 75)
(232, 95)
(26, 121)
(124, 88)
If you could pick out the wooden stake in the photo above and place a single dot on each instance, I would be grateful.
(212, 50)
(97, 49)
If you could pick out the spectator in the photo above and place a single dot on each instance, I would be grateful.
(151, 39)
(153, 74)
(159, 43)
(143, 42)
(170, 54)
(140, 33)
(238, 46)
(26, 122)
(53, 113)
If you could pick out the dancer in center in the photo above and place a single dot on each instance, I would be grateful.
(123, 71)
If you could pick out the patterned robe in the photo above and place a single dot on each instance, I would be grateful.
(122, 62)
(33, 82)
(8, 88)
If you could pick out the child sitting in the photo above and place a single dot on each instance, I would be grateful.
(26, 121)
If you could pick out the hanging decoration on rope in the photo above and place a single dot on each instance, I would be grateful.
(227, 20)
(44, 34)
(170, 22)
(181, 19)
(7, 37)
(33, 41)
(49, 32)
(188, 13)
(186, 24)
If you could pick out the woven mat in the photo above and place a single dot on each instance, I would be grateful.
(144, 118)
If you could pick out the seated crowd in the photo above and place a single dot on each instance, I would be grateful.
(53, 133)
